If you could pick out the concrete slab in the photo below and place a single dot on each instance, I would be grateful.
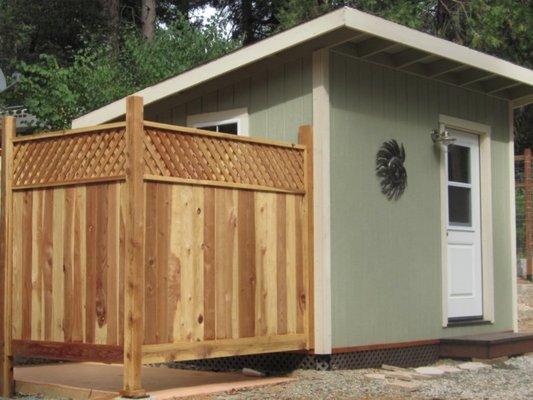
(83, 381)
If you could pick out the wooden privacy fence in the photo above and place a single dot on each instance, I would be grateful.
(139, 242)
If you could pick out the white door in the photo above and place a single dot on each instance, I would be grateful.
(465, 297)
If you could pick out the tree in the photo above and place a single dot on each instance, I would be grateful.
(170, 10)
(111, 10)
(251, 20)
(148, 8)
(57, 94)
(29, 28)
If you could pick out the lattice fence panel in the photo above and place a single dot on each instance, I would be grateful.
(66, 159)
(207, 158)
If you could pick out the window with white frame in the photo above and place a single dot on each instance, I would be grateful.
(230, 121)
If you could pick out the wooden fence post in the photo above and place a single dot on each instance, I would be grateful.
(528, 213)
(134, 269)
(305, 137)
(6, 227)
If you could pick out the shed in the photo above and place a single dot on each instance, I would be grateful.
(238, 210)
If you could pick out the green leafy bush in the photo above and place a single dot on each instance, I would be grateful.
(101, 74)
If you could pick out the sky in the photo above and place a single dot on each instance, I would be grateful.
(205, 13)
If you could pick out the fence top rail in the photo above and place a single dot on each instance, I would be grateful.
(226, 136)
(69, 132)
(156, 125)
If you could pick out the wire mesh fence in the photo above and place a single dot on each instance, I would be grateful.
(524, 209)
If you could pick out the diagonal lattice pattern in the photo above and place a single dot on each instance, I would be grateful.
(71, 158)
(283, 362)
(189, 156)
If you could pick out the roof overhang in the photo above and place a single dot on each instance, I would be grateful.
(360, 35)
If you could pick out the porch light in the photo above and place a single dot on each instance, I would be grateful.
(442, 137)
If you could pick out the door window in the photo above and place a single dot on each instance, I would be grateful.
(459, 186)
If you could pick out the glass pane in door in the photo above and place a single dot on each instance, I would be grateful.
(459, 206)
(458, 163)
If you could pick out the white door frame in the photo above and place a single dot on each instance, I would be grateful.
(485, 178)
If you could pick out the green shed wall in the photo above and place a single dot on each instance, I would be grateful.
(278, 98)
(386, 255)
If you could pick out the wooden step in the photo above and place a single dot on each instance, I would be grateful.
(487, 345)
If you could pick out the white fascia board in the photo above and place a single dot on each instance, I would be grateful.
(443, 48)
(230, 62)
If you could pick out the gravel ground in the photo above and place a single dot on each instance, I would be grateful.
(511, 379)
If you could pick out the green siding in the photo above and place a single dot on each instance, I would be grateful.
(278, 99)
(386, 255)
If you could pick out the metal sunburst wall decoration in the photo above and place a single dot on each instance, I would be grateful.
(390, 169)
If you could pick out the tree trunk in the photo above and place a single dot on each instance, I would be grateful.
(111, 9)
(148, 18)
(247, 21)
(447, 21)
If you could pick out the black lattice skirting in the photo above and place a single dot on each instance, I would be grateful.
(277, 363)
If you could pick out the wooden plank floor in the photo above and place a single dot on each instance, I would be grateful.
(83, 381)
(487, 346)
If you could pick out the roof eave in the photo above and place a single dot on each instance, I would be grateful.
(344, 19)
(389, 30)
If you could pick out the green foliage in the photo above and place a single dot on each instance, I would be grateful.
(100, 74)
(49, 94)
(29, 28)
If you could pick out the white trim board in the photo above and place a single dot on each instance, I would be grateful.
(322, 200)
(343, 18)
(484, 133)
(512, 219)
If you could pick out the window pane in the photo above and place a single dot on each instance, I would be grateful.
(228, 128)
(458, 163)
(212, 128)
(459, 209)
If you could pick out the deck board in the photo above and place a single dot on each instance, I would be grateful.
(487, 345)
